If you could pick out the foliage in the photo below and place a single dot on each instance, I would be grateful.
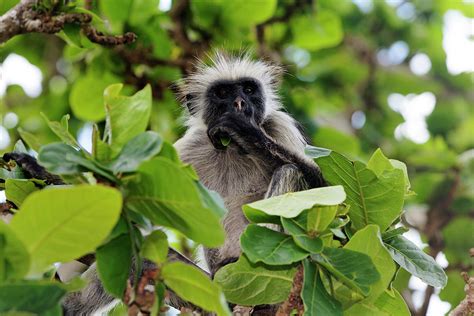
(129, 179)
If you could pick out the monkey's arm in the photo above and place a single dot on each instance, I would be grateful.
(251, 139)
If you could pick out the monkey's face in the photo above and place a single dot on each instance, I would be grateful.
(243, 96)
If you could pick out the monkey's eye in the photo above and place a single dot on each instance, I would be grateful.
(249, 88)
(221, 92)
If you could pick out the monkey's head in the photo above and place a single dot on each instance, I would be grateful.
(231, 84)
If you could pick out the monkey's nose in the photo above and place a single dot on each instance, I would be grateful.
(239, 103)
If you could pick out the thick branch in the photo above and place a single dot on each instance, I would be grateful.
(23, 18)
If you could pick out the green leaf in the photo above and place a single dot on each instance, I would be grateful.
(250, 12)
(121, 126)
(250, 284)
(297, 228)
(293, 203)
(356, 270)
(142, 147)
(319, 217)
(389, 234)
(14, 258)
(415, 261)
(262, 244)
(369, 242)
(72, 35)
(454, 290)
(16, 190)
(212, 200)
(116, 10)
(155, 247)
(62, 159)
(373, 200)
(31, 297)
(167, 195)
(30, 139)
(314, 32)
(316, 299)
(378, 163)
(225, 141)
(73, 219)
(390, 303)
(457, 239)
(86, 97)
(61, 129)
(193, 286)
(142, 10)
(114, 260)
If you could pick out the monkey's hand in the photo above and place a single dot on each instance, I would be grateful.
(241, 130)
(251, 139)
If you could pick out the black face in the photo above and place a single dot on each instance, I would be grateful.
(244, 96)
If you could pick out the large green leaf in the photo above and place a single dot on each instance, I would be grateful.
(356, 270)
(316, 299)
(155, 247)
(373, 200)
(63, 223)
(369, 242)
(30, 297)
(313, 32)
(415, 261)
(14, 258)
(16, 190)
(166, 194)
(390, 303)
(293, 203)
(126, 116)
(192, 285)
(114, 260)
(140, 148)
(262, 244)
(249, 283)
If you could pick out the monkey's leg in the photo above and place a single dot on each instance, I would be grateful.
(287, 178)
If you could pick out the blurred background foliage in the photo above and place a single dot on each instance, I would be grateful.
(361, 74)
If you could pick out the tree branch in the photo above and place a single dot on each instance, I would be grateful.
(24, 18)
(466, 307)
(293, 301)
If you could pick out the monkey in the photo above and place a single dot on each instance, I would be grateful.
(236, 99)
